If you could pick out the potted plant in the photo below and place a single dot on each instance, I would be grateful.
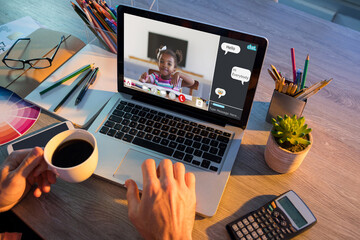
(289, 142)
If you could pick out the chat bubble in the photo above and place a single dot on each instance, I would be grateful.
(227, 47)
(240, 74)
(220, 92)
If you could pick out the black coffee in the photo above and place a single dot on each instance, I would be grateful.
(72, 153)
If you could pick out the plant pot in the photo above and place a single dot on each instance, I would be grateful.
(282, 160)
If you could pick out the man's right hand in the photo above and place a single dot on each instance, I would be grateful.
(166, 209)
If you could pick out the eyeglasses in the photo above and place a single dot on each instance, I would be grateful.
(37, 63)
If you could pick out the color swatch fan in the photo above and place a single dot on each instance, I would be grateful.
(17, 116)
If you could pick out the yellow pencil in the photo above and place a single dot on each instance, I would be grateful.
(284, 90)
(281, 85)
(289, 89)
(293, 90)
(277, 75)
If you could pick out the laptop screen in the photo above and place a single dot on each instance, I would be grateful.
(189, 65)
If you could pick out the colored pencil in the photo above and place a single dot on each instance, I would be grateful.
(276, 73)
(272, 75)
(103, 35)
(89, 24)
(293, 64)
(305, 72)
(66, 78)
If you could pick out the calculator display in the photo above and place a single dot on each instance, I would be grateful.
(292, 212)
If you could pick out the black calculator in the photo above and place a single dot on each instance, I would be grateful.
(282, 218)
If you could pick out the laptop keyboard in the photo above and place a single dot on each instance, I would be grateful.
(178, 138)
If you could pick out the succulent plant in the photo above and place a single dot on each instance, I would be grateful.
(290, 129)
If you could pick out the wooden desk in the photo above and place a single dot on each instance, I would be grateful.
(328, 180)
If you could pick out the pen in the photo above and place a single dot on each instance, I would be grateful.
(72, 90)
(293, 64)
(86, 86)
(64, 79)
(305, 72)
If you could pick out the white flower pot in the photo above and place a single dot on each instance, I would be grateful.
(282, 160)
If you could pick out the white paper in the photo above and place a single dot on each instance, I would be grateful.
(96, 96)
(11, 31)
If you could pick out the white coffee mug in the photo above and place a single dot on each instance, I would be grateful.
(77, 173)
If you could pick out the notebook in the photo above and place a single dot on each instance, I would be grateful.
(95, 98)
(201, 124)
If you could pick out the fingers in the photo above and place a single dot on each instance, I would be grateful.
(179, 172)
(44, 182)
(166, 170)
(45, 187)
(132, 196)
(51, 177)
(42, 167)
(190, 181)
(148, 170)
(37, 191)
(31, 161)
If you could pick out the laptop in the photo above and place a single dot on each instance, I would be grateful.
(200, 123)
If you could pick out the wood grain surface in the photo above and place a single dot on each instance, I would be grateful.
(328, 179)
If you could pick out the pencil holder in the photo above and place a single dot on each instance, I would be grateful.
(282, 104)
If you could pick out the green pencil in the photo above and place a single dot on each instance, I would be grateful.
(64, 79)
(305, 71)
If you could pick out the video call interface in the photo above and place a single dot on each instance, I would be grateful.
(223, 81)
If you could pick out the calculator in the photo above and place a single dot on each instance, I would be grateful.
(282, 218)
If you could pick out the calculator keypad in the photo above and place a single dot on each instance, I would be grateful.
(269, 222)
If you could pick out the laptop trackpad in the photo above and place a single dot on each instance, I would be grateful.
(130, 166)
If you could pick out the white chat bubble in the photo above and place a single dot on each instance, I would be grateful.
(240, 74)
(228, 47)
(220, 92)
